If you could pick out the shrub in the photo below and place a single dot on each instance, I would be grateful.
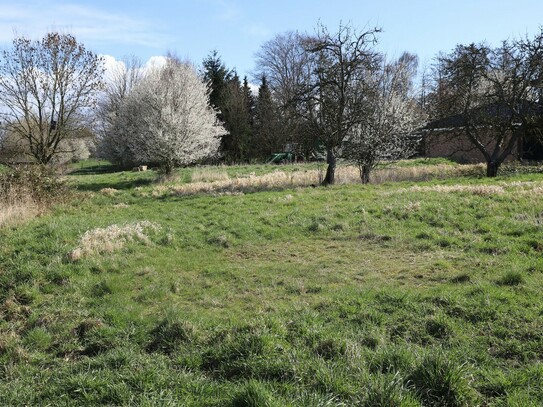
(35, 182)
(27, 191)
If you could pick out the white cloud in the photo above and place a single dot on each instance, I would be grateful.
(114, 67)
(33, 19)
(254, 88)
(155, 62)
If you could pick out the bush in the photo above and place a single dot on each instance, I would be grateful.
(35, 182)
(27, 191)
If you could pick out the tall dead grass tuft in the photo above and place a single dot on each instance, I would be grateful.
(209, 174)
(484, 190)
(252, 183)
(14, 212)
(424, 173)
(518, 187)
(111, 238)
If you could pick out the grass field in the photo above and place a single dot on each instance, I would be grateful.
(257, 290)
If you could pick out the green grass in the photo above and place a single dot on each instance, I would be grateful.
(347, 295)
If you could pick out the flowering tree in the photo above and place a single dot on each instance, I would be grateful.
(391, 117)
(337, 95)
(120, 81)
(166, 119)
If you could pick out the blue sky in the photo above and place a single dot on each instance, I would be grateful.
(237, 28)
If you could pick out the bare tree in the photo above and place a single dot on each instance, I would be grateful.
(337, 96)
(391, 117)
(167, 119)
(285, 64)
(45, 86)
(494, 94)
(288, 68)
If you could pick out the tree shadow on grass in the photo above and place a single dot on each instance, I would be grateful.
(97, 169)
(120, 185)
(121, 179)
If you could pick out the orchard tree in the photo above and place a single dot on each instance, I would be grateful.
(46, 86)
(167, 118)
(392, 116)
(338, 93)
(121, 80)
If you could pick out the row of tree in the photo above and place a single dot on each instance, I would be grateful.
(332, 92)
(329, 91)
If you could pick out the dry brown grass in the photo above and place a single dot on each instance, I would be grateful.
(516, 187)
(274, 180)
(111, 238)
(485, 190)
(217, 181)
(209, 174)
(109, 191)
(12, 213)
(26, 192)
(424, 173)
(17, 205)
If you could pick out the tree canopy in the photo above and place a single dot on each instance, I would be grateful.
(47, 88)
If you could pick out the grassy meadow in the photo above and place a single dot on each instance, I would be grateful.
(246, 286)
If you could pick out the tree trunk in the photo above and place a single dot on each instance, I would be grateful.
(365, 174)
(492, 168)
(329, 179)
(168, 167)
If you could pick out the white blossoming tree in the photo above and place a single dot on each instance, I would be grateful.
(166, 119)
(392, 116)
(120, 80)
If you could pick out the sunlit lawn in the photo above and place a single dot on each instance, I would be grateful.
(399, 294)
